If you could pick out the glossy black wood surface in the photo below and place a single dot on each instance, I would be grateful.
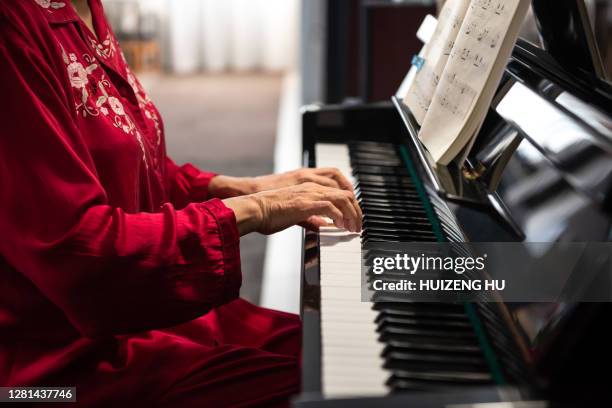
(566, 34)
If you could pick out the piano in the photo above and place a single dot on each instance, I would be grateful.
(548, 135)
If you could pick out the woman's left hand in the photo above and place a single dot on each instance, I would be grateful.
(226, 187)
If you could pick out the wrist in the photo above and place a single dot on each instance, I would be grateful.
(227, 186)
(248, 212)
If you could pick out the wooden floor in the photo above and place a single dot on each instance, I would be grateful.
(227, 124)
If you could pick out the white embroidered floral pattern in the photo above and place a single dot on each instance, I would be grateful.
(47, 4)
(116, 105)
(106, 48)
(145, 103)
(80, 76)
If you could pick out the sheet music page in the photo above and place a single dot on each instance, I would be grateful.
(424, 33)
(475, 54)
(469, 68)
(435, 54)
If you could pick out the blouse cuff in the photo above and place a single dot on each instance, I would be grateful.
(200, 181)
(230, 244)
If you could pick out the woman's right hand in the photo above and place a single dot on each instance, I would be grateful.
(305, 204)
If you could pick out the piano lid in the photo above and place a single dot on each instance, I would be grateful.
(567, 35)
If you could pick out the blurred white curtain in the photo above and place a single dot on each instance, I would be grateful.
(239, 35)
(183, 31)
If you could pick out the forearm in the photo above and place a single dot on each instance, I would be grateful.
(179, 263)
(227, 186)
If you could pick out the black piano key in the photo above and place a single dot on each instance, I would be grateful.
(396, 343)
(383, 201)
(380, 170)
(386, 192)
(419, 330)
(370, 232)
(402, 225)
(406, 198)
(407, 217)
(434, 357)
(467, 378)
(378, 161)
(419, 319)
(410, 236)
(387, 207)
(382, 150)
(395, 205)
(387, 198)
(380, 240)
(438, 362)
(399, 208)
(402, 385)
(389, 182)
(431, 310)
(370, 145)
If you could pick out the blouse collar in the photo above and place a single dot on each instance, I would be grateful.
(101, 42)
(62, 12)
(58, 11)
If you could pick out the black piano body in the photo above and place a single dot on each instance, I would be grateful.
(548, 192)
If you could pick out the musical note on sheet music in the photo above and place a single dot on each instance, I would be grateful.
(457, 96)
(422, 91)
(436, 54)
(481, 33)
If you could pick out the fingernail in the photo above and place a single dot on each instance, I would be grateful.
(340, 224)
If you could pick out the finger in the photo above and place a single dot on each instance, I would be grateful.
(314, 223)
(324, 181)
(357, 207)
(337, 175)
(327, 209)
(320, 221)
(344, 203)
(358, 214)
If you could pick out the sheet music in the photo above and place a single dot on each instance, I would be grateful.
(471, 59)
(424, 33)
(435, 54)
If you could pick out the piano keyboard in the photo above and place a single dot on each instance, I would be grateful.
(351, 362)
(371, 349)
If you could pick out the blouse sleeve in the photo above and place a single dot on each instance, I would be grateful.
(109, 271)
(187, 184)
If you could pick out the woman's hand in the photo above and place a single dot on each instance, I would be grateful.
(226, 186)
(271, 211)
(328, 177)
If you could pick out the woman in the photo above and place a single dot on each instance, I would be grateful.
(120, 270)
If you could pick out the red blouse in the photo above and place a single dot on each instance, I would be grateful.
(100, 233)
